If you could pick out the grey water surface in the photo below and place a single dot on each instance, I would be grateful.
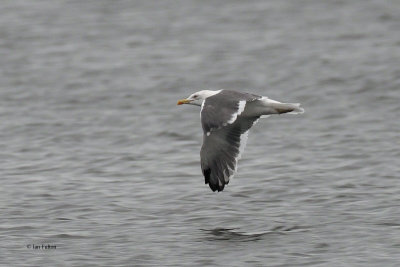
(97, 160)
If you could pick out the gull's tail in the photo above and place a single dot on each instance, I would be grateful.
(290, 108)
(276, 107)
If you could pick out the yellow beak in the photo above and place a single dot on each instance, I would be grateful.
(183, 101)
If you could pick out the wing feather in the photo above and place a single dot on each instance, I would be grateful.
(221, 151)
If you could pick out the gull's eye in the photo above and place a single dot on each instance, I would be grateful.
(195, 96)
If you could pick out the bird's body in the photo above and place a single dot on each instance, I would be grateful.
(226, 117)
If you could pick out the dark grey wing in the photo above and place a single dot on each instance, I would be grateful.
(223, 108)
(221, 151)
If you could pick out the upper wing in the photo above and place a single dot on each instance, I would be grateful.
(221, 151)
(223, 108)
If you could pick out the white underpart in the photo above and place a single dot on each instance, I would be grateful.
(243, 142)
(242, 145)
(242, 105)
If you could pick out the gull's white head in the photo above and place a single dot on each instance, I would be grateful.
(198, 97)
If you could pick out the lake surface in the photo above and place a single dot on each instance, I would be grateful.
(97, 159)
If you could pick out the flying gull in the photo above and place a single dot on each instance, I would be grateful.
(226, 117)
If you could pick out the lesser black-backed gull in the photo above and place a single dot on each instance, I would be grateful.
(226, 117)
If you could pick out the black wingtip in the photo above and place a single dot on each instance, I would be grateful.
(214, 186)
(207, 173)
